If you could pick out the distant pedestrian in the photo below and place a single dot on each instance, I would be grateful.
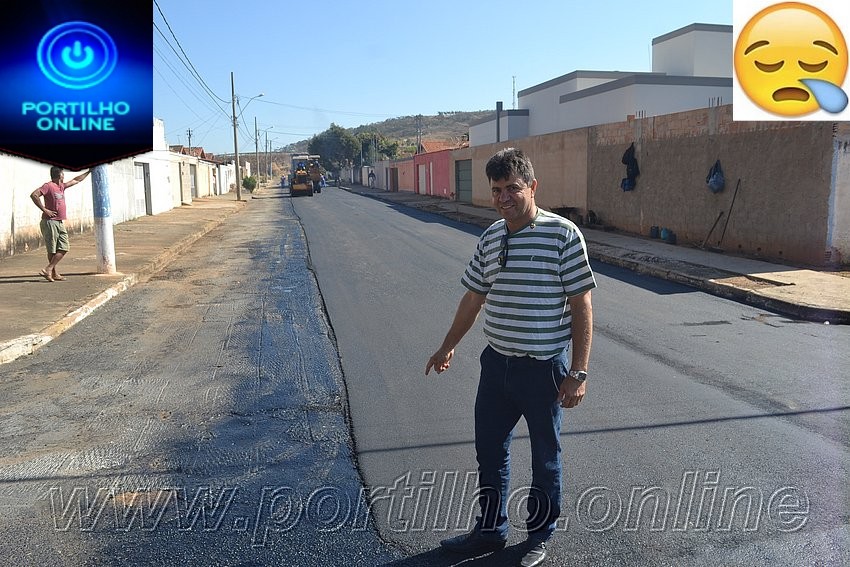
(371, 179)
(531, 274)
(53, 219)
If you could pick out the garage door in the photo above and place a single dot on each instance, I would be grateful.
(463, 180)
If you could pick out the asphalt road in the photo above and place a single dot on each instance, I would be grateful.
(712, 432)
(197, 419)
(226, 413)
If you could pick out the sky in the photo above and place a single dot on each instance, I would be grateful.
(359, 62)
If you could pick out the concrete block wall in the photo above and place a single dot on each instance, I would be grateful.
(793, 202)
(781, 211)
(560, 165)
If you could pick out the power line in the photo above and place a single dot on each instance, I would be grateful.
(176, 93)
(314, 109)
(207, 90)
(198, 75)
(189, 88)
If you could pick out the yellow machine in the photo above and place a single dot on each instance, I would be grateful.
(306, 176)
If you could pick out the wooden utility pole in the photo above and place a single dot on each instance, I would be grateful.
(235, 141)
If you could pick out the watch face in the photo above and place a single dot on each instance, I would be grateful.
(579, 375)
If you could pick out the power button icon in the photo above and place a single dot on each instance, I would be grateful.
(77, 55)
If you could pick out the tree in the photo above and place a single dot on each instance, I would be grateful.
(249, 183)
(335, 146)
(375, 147)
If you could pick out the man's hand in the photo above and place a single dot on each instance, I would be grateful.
(439, 361)
(36, 198)
(77, 179)
(571, 392)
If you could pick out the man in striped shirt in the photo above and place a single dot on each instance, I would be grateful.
(531, 274)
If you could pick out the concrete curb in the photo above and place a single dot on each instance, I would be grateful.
(28, 344)
(726, 291)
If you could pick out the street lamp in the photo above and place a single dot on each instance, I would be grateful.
(235, 140)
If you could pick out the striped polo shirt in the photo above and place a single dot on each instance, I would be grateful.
(526, 312)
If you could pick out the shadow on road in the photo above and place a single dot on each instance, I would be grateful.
(643, 281)
(509, 556)
(638, 427)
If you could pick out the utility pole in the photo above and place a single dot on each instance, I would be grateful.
(189, 133)
(268, 157)
(513, 98)
(104, 239)
(257, 149)
(235, 141)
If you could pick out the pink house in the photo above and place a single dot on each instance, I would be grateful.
(433, 173)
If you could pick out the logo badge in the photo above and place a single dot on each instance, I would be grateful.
(77, 55)
(791, 60)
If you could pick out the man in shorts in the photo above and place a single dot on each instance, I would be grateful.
(53, 219)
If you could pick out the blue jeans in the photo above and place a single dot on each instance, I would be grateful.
(510, 388)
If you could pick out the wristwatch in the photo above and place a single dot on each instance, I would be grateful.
(579, 375)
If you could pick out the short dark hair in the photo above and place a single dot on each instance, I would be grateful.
(507, 162)
(55, 172)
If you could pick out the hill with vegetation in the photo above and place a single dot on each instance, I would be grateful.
(406, 129)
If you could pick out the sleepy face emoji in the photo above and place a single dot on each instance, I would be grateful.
(791, 59)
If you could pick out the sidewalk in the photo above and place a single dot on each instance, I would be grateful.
(34, 311)
(803, 293)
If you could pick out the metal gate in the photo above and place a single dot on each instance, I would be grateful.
(142, 188)
(463, 180)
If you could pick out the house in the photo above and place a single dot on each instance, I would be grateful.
(432, 166)
(691, 68)
(788, 182)
(195, 151)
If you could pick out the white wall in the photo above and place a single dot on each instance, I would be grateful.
(381, 174)
(482, 133)
(698, 50)
(19, 217)
(653, 98)
(542, 101)
(226, 176)
(159, 165)
(601, 97)
(513, 124)
(20, 222)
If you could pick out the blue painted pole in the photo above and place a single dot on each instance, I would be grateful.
(103, 221)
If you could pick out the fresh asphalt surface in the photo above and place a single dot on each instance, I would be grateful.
(197, 419)
(226, 411)
(697, 407)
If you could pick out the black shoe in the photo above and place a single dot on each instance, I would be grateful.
(473, 542)
(535, 555)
